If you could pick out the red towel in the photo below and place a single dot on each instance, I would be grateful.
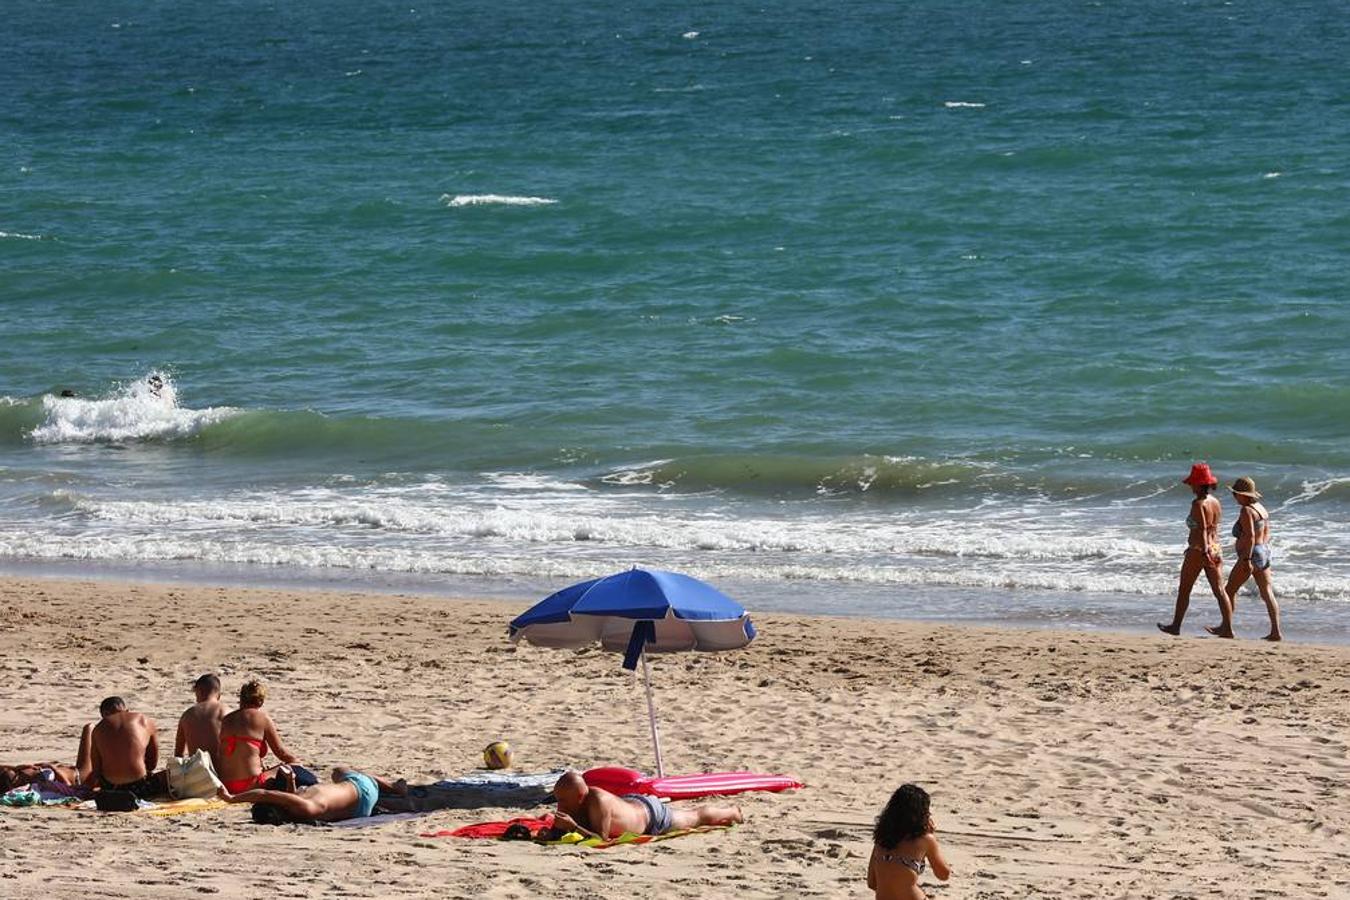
(494, 829)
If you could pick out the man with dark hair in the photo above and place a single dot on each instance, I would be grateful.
(124, 750)
(199, 726)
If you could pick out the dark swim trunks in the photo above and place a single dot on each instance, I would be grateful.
(151, 785)
(658, 813)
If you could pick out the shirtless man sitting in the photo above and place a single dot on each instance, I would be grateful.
(199, 726)
(596, 812)
(352, 795)
(124, 750)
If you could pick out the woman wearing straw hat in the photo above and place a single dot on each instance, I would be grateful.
(1203, 553)
(1252, 530)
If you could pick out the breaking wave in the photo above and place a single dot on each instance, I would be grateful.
(142, 410)
(459, 200)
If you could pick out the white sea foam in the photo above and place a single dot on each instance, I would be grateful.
(135, 412)
(459, 200)
(962, 104)
(533, 525)
(563, 517)
(1311, 490)
(261, 548)
(19, 236)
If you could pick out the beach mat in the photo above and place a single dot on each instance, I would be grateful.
(161, 808)
(476, 790)
(495, 830)
(180, 807)
(42, 795)
(378, 819)
(596, 843)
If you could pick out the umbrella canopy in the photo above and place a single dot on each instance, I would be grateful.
(683, 612)
(638, 612)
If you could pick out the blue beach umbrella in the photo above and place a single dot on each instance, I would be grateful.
(638, 612)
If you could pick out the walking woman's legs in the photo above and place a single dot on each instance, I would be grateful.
(1214, 572)
(1242, 570)
(1191, 564)
(1267, 589)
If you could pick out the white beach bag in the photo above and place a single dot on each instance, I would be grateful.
(192, 776)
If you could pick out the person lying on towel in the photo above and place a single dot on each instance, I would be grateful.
(351, 795)
(598, 813)
(29, 773)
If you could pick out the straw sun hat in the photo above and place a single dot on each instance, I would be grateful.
(1246, 487)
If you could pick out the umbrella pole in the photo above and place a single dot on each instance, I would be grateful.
(651, 715)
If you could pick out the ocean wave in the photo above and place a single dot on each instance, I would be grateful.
(459, 200)
(178, 547)
(20, 236)
(136, 411)
(787, 475)
(962, 104)
(568, 520)
(1318, 489)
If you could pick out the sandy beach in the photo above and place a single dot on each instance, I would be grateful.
(1061, 764)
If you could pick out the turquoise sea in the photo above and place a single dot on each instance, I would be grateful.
(906, 309)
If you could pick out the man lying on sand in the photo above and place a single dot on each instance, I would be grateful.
(124, 751)
(199, 726)
(599, 813)
(352, 795)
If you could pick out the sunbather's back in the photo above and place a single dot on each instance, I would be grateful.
(124, 748)
(894, 873)
(200, 729)
(242, 743)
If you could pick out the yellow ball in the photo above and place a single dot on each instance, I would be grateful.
(497, 755)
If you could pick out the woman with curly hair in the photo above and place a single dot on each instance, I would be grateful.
(903, 843)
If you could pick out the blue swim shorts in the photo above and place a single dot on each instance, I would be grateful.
(367, 793)
(1260, 556)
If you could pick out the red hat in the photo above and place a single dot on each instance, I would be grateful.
(1200, 474)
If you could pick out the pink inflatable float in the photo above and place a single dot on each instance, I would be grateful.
(618, 780)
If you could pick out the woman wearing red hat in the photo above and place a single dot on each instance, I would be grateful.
(1203, 553)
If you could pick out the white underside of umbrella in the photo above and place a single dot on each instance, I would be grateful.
(613, 632)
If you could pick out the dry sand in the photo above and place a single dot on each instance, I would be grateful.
(1061, 764)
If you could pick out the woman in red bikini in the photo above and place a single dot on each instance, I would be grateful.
(245, 737)
(1203, 553)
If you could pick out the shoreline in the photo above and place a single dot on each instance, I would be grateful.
(893, 603)
(1061, 763)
